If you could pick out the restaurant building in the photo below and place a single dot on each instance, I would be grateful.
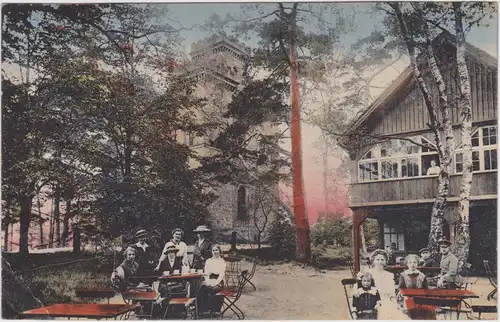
(393, 180)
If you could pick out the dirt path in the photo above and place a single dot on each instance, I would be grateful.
(292, 292)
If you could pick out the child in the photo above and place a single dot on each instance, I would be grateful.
(412, 277)
(366, 299)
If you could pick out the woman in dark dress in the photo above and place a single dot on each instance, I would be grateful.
(202, 247)
(169, 265)
(120, 278)
(145, 256)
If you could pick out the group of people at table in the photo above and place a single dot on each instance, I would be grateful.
(140, 262)
(376, 295)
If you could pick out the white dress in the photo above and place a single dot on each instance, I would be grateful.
(384, 282)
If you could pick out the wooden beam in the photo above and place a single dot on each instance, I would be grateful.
(416, 201)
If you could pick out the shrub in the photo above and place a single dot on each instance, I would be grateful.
(331, 257)
(282, 237)
(332, 229)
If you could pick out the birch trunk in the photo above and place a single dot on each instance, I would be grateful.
(463, 240)
(444, 150)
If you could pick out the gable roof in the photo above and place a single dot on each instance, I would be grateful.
(407, 75)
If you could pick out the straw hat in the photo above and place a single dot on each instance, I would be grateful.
(141, 233)
(202, 229)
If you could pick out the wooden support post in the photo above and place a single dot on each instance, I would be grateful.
(359, 215)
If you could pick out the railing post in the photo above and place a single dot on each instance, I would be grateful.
(233, 241)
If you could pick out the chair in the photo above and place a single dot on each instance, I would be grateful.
(351, 282)
(463, 281)
(350, 264)
(232, 296)
(248, 276)
(492, 278)
(484, 309)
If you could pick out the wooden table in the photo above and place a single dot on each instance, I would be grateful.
(440, 297)
(180, 277)
(95, 293)
(89, 311)
(149, 298)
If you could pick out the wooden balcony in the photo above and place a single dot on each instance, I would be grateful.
(418, 190)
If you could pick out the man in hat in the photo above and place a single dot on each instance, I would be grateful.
(181, 246)
(426, 259)
(449, 265)
(202, 247)
(145, 256)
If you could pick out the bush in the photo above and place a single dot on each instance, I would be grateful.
(332, 230)
(331, 257)
(283, 239)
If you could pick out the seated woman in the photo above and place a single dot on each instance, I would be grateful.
(129, 267)
(215, 271)
(170, 264)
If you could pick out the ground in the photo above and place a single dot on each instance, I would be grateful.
(294, 292)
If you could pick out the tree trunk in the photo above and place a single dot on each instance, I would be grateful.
(76, 240)
(6, 237)
(39, 206)
(51, 226)
(16, 295)
(325, 173)
(57, 215)
(301, 220)
(444, 151)
(65, 232)
(258, 239)
(24, 223)
(463, 241)
(6, 222)
(362, 237)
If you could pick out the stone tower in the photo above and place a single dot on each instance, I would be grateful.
(219, 62)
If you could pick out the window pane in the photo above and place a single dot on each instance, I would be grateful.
(459, 163)
(475, 160)
(490, 159)
(401, 241)
(427, 146)
(368, 155)
(427, 164)
(368, 171)
(389, 169)
(387, 239)
(489, 136)
(475, 139)
(409, 167)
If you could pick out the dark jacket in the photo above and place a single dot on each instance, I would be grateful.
(201, 253)
(429, 262)
(130, 269)
(165, 265)
(146, 260)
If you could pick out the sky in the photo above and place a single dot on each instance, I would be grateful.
(192, 15)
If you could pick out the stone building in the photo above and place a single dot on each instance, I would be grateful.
(219, 63)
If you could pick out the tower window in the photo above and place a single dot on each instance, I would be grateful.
(242, 203)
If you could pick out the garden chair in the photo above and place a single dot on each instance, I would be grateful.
(463, 280)
(350, 264)
(492, 278)
(351, 282)
(480, 309)
(248, 275)
(232, 296)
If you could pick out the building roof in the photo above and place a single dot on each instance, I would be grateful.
(407, 74)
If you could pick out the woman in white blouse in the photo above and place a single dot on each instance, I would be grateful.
(215, 271)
